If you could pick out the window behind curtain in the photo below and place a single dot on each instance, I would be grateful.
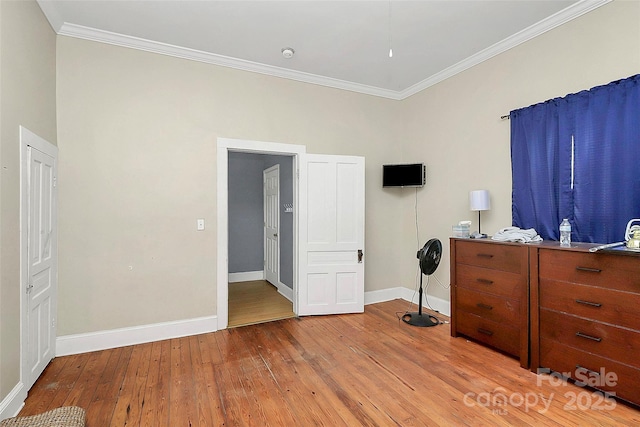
(578, 157)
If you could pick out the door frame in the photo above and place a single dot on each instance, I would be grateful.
(30, 139)
(275, 167)
(224, 146)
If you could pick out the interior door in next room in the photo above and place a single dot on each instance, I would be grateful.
(271, 183)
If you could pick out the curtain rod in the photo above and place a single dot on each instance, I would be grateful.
(507, 117)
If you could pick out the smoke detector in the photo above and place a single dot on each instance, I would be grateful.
(288, 52)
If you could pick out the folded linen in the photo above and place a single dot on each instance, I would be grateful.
(516, 234)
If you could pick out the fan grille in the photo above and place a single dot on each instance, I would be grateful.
(429, 256)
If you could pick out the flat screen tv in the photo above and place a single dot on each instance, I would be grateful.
(406, 175)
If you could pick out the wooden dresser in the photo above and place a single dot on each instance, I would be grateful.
(489, 294)
(585, 316)
(578, 312)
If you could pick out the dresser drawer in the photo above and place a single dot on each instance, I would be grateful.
(608, 341)
(502, 257)
(572, 363)
(498, 335)
(495, 282)
(604, 305)
(610, 271)
(488, 306)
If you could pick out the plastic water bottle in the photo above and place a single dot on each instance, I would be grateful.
(565, 233)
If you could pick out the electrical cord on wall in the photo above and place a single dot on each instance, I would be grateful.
(418, 272)
(418, 245)
(400, 314)
(440, 283)
(417, 226)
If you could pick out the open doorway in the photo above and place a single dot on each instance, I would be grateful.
(328, 236)
(225, 148)
(256, 301)
(261, 237)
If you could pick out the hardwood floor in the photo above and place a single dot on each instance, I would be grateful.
(256, 302)
(345, 370)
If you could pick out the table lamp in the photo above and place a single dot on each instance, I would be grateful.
(479, 201)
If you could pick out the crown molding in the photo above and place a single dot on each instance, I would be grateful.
(116, 39)
(86, 33)
(574, 11)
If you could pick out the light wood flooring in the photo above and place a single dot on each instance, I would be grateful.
(344, 370)
(256, 302)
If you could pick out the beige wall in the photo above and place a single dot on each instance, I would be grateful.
(27, 89)
(138, 133)
(456, 124)
(137, 136)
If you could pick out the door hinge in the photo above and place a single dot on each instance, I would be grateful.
(29, 287)
(55, 181)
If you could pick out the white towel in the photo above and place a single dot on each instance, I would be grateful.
(515, 234)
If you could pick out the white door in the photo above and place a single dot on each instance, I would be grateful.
(41, 259)
(271, 183)
(331, 274)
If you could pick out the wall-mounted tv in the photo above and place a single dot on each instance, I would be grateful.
(406, 175)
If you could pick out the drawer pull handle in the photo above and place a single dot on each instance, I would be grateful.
(588, 370)
(485, 281)
(590, 270)
(485, 255)
(589, 337)
(485, 331)
(485, 306)
(592, 304)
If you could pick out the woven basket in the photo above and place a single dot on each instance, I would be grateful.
(67, 416)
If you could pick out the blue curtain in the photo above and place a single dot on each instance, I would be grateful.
(578, 157)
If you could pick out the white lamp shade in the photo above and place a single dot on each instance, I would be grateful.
(479, 200)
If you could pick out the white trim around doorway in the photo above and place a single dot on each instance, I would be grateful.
(224, 146)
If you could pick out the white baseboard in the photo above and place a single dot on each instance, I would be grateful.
(101, 340)
(246, 276)
(285, 291)
(13, 403)
(93, 341)
(382, 295)
(441, 305)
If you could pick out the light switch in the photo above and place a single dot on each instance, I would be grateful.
(200, 224)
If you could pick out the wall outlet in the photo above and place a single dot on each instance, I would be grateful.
(200, 224)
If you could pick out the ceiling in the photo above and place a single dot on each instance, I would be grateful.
(342, 44)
